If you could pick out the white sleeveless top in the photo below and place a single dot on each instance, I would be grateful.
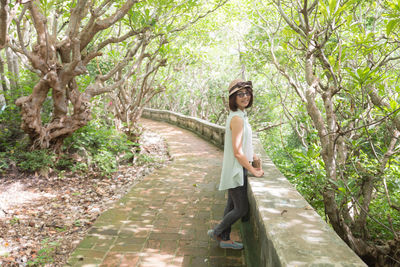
(232, 171)
(248, 142)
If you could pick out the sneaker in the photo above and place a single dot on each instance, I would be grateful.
(234, 245)
(211, 234)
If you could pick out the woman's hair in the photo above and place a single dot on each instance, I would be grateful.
(232, 100)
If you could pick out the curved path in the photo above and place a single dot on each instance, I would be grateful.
(163, 220)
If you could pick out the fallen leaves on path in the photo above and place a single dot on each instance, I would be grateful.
(42, 219)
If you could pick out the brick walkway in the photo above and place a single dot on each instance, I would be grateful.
(163, 220)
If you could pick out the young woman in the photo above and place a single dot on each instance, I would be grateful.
(238, 156)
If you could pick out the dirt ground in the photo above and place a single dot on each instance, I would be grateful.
(44, 217)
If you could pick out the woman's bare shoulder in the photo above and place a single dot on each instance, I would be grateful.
(236, 121)
(237, 118)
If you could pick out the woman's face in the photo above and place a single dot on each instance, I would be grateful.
(242, 99)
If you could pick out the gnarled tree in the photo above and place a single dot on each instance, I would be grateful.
(154, 50)
(60, 56)
(131, 97)
(76, 36)
(341, 51)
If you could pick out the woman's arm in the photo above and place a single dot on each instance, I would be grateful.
(237, 134)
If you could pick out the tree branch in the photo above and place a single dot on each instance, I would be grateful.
(380, 102)
(270, 127)
(39, 22)
(141, 44)
(94, 26)
(288, 21)
(113, 40)
(325, 62)
(77, 14)
(283, 71)
(200, 17)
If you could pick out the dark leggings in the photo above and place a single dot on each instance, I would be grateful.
(236, 207)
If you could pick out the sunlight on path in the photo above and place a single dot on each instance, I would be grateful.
(163, 220)
(17, 194)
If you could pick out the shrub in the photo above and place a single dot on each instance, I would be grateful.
(45, 255)
(97, 147)
(35, 160)
(10, 132)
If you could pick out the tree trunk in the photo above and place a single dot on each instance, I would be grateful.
(4, 15)
(62, 125)
(3, 84)
(59, 61)
(13, 70)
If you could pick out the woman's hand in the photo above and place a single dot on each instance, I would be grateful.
(257, 172)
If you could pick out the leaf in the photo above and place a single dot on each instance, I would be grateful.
(349, 20)
(299, 154)
(310, 153)
(393, 104)
(347, 4)
(391, 25)
(334, 182)
(332, 5)
(323, 9)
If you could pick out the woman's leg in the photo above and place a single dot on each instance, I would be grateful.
(240, 202)
(246, 217)
(225, 235)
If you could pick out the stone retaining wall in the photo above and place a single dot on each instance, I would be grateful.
(207, 130)
(283, 230)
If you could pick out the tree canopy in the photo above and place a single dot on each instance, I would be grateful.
(325, 75)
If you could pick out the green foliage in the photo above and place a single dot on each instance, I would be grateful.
(393, 15)
(10, 131)
(98, 147)
(362, 52)
(360, 42)
(379, 209)
(47, 6)
(14, 220)
(144, 159)
(25, 160)
(14, 147)
(45, 254)
(35, 160)
(105, 161)
(4, 163)
(65, 162)
(203, 67)
(353, 53)
(10, 119)
(301, 167)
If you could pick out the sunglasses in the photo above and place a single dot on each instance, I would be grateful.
(243, 94)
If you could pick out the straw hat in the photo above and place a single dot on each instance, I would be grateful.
(238, 84)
